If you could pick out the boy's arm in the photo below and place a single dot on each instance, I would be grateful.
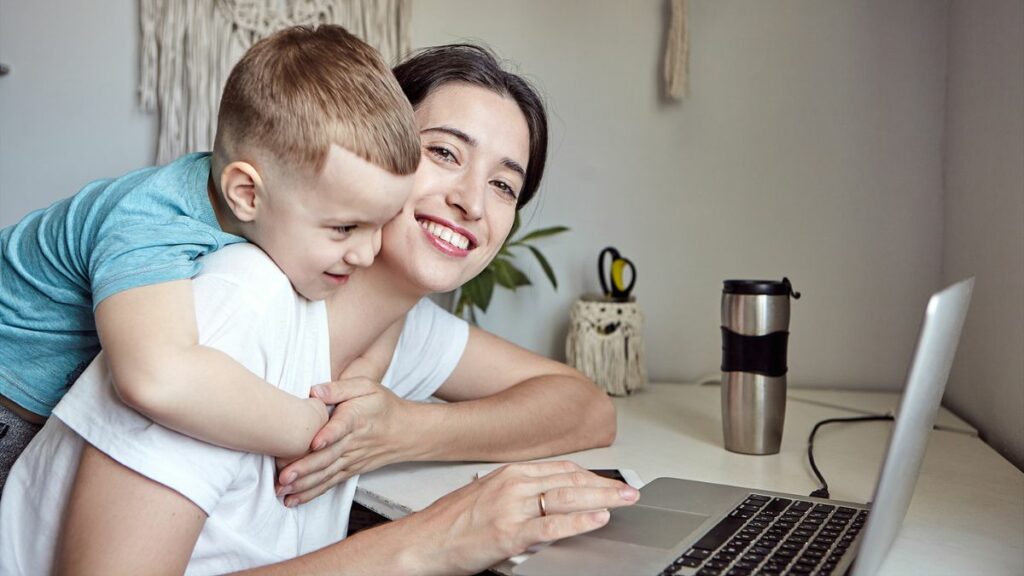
(505, 403)
(160, 369)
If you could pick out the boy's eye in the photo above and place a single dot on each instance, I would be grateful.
(345, 229)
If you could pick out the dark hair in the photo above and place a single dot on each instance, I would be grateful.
(431, 68)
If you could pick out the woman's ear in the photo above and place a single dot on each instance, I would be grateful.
(239, 182)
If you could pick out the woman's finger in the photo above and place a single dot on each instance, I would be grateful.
(318, 490)
(579, 478)
(558, 526)
(568, 500)
(339, 426)
(339, 391)
(538, 469)
(310, 464)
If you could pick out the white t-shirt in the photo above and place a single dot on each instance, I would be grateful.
(245, 307)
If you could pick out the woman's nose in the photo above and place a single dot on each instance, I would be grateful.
(468, 198)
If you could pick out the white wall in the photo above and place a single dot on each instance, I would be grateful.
(68, 111)
(984, 214)
(810, 147)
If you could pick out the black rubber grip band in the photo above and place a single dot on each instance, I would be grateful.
(764, 355)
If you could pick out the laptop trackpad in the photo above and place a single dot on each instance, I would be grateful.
(655, 527)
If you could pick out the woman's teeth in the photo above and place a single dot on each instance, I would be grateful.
(445, 233)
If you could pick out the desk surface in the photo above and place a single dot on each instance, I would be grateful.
(967, 515)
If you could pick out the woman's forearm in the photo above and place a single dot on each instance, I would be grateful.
(540, 417)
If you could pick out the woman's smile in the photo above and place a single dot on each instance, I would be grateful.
(447, 237)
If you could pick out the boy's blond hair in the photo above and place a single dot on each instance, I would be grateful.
(298, 91)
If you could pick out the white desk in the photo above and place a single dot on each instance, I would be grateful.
(967, 515)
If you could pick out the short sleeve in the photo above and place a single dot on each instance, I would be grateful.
(430, 347)
(138, 255)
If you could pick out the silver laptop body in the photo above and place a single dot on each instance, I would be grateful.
(681, 526)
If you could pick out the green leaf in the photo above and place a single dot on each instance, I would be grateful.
(544, 264)
(483, 289)
(508, 275)
(542, 233)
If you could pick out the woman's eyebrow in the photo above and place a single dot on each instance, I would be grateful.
(514, 166)
(506, 162)
(454, 132)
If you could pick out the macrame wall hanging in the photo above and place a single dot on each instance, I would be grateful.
(606, 344)
(190, 46)
(677, 53)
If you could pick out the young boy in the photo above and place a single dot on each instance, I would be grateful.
(314, 152)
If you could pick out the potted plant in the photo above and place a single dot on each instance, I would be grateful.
(476, 294)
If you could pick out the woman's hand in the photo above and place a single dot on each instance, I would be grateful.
(515, 507)
(364, 433)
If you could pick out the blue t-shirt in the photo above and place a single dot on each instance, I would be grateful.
(59, 263)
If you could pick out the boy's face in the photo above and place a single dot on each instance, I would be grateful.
(320, 229)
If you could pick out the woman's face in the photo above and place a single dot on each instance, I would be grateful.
(475, 146)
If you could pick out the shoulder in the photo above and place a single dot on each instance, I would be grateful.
(430, 346)
(246, 269)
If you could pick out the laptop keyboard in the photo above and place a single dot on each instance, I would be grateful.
(767, 535)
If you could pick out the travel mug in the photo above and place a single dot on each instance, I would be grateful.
(755, 333)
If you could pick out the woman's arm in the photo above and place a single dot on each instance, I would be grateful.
(505, 404)
(119, 522)
(475, 527)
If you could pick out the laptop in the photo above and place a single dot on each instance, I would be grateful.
(688, 528)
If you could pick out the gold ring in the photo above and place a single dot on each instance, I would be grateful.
(540, 503)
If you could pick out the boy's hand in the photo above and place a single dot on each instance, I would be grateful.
(365, 432)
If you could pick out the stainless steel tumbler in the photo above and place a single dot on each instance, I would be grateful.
(755, 333)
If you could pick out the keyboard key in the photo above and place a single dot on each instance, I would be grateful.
(813, 554)
(824, 507)
(739, 544)
(754, 503)
(802, 505)
(786, 553)
(760, 497)
(778, 504)
(719, 534)
(709, 572)
(697, 553)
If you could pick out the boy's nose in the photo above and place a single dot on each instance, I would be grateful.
(361, 255)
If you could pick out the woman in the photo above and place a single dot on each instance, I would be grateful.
(483, 138)
(469, 188)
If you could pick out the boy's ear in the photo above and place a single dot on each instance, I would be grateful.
(240, 182)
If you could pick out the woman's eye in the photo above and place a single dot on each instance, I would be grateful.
(441, 153)
(505, 189)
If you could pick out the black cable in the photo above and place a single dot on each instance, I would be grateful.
(822, 492)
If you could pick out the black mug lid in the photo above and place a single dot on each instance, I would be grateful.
(767, 287)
